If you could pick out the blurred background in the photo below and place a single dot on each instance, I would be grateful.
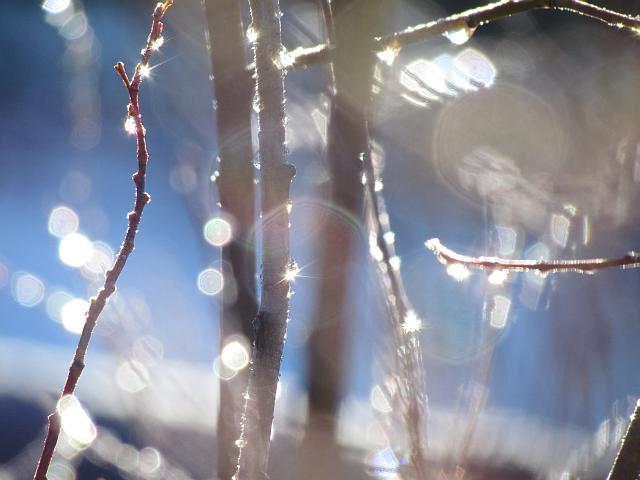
(519, 141)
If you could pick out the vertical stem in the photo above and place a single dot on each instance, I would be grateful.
(233, 92)
(276, 175)
(353, 26)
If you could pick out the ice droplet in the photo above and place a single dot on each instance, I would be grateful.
(388, 55)
(130, 125)
(460, 36)
(284, 59)
(252, 34)
(256, 104)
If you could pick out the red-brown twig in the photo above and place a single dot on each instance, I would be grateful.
(449, 257)
(111, 276)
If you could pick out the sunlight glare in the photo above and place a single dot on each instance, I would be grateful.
(217, 232)
(76, 423)
(379, 401)
(459, 36)
(73, 315)
(132, 376)
(28, 290)
(292, 273)
(63, 221)
(235, 356)
(130, 125)
(157, 43)
(458, 271)
(477, 66)
(498, 277)
(388, 55)
(499, 311)
(412, 322)
(75, 250)
(210, 281)
(55, 6)
(145, 70)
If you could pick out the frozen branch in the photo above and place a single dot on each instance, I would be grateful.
(469, 20)
(234, 96)
(627, 463)
(449, 257)
(405, 324)
(98, 302)
(275, 174)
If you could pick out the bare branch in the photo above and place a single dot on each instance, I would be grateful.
(98, 302)
(471, 19)
(405, 324)
(449, 257)
(627, 463)
(234, 95)
(276, 175)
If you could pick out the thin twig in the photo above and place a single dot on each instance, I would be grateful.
(449, 257)
(471, 19)
(276, 175)
(405, 324)
(627, 463)
(98, 302)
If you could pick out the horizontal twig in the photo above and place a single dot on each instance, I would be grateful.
(449, 257)
(469, 20)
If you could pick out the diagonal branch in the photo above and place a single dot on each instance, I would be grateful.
(134, 125)
(449, 257)
(627, 463)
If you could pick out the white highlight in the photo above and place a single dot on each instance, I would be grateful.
(459, 36)
(210, 281)
(498, 277)
(217, 232)
(28, 290)
(235, 356)
(388, 55)
(72, 315)
(130, 125)
(55, 6)
(75, 250)
(75, 421)
(412, 323)
(458, 271)
(63, 221)
(500, 311)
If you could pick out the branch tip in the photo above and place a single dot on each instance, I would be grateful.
(119, 68)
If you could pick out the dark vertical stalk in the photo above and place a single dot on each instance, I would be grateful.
(276, 175)
(233, 93)
(351, 26)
